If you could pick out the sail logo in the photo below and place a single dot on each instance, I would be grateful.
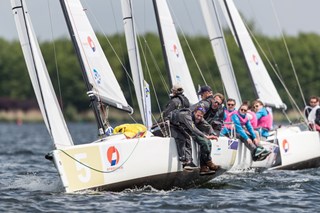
(285, 145)
(175, 50)
(91, 44)
(97, 76)
(255, 59)
(147, 90)
(113, 155)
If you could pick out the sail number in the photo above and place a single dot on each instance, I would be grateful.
(85, 175)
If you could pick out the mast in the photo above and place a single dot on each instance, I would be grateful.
(218, 44)
(92, 97)
(140, 85)
(166, 62)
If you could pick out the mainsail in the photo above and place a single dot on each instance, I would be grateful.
(97, 69)
(263, 84)
(176, 62)
(39, 76)
(213, 25)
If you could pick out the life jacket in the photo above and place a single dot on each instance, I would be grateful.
(131, 130)
(228, 121)
(244, 120)
(307, 111)
(312, 114)
(184, 101)
(265, 121)
(253, 119)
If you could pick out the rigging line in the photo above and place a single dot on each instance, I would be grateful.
(121, 51)
(143, 51)
(274, 70)
(98, 170)
(146, 45)
(187, 43)
(112, 48)
(267, 43)
(289, 55)
(149, 73)
(55, 56)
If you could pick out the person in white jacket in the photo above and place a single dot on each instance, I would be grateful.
(312, 113)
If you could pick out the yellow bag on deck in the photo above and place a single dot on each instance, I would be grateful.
(131, 130)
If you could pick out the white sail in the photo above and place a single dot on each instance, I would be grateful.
(100, 75)
(39, 76)
(213, 25)
(263, 84)
(135, 62)
(179, 72)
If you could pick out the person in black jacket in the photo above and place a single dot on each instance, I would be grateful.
(213, 105)
(182, 128)
(177, 101)
(206, 164)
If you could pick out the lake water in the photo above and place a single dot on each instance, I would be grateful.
(29, 183)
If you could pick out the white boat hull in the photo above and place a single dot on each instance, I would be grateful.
(291, 149)
(117, 163)
(298, 149)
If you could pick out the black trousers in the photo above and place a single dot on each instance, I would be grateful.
(183, 141)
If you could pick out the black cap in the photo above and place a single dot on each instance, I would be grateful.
(204, 89)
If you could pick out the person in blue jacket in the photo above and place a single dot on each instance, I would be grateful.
(245, 132)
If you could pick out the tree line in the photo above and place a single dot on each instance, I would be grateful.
(66, 76)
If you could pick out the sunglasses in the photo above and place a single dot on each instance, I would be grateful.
(230, 104)
(243, 110)
(256, 106)
(216, 102)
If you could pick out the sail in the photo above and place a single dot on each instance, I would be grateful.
(178, 68)
(97, 68)
(135, 62)
(213, 25)
(39, 76)
(263, 84)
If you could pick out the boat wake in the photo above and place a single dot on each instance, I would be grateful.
(32, 182)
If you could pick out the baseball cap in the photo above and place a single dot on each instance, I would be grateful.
(203, 89)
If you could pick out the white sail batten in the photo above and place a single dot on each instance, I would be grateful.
(39, 76)
(219, 47)
(179, 71)
(100, 75)
(263, 84)
(135, 61)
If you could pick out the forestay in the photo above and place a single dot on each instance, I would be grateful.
(100, 75)
(40, 79)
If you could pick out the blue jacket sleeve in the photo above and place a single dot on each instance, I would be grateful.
(262, 112)
(238, 127)
(250, 129)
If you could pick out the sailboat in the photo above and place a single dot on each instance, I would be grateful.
(112, 162)
(294, 148)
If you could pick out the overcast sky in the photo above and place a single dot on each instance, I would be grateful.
(294, 16)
